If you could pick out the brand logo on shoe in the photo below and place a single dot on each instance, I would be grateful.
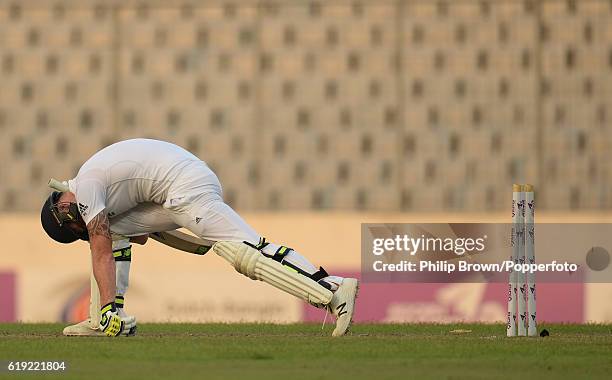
(340, 309)
(198, 220)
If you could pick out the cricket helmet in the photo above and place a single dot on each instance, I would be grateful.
(59, 225)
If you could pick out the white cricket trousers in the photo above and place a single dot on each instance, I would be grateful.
(206, 215)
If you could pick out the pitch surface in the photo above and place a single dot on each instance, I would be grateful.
(304, 351)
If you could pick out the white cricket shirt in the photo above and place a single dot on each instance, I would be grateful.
(130, 173)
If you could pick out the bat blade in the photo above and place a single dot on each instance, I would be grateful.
(182, 241)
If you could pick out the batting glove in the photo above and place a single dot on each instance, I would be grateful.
(129, 323)
(110, 322)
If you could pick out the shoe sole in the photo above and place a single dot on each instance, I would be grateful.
(84, 333)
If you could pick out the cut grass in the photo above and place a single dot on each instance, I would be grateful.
(303, 351)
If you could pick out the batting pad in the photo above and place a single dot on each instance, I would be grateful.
(253, 264)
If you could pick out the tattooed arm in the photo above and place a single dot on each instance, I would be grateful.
(100, 243)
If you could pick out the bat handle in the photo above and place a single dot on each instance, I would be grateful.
(57, 185)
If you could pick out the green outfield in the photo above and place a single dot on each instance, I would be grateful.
(253, 351)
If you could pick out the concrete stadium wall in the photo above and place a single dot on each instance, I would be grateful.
(368, 105)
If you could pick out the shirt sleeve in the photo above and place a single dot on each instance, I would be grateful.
(91, 198)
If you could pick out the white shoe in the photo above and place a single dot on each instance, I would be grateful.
(342, 305)
(82, 329)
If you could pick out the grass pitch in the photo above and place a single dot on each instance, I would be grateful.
(303, 351)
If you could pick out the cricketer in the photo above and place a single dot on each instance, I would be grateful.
(139, 187)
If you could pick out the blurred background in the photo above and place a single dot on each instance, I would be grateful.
(317, 116)
(375, 105)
